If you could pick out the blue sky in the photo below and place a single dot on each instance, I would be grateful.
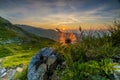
(61, 13)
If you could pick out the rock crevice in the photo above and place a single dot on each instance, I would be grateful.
(43, 65)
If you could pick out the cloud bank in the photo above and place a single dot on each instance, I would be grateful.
(57, 13)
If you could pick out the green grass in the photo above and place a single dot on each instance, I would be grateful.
(15, 55)
(90, 59)
(5, 52)
(17, 60)
(85, 63)
(21, 75)
(115, 33)
(20, 55)
(86, 60)
(6, 34)
(22, 47)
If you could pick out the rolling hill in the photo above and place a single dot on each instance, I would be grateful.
(17, 46)
(15, 41)
(47, 33)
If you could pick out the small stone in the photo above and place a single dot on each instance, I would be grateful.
(2, 71)
(116, 66)
(19, 69)
(4, 74)
(1, 60)
(116, 58)
(116, 72)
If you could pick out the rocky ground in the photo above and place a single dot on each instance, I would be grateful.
(43, 65)
(8, 74)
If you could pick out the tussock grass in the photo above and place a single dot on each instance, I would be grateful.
(91, 59)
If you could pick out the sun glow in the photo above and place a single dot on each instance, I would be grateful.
(63, 29)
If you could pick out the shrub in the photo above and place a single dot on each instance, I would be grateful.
(90, 59)
(5, 52)
(115, 33)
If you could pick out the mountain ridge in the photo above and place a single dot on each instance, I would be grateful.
(47, 33)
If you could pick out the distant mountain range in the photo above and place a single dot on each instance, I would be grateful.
(47, 33)
(7, 28)
(14, 33)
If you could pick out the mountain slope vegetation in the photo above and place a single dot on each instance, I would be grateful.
(88, 59)
(17, 46)
(48, 33)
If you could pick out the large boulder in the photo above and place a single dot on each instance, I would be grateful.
(43, 64)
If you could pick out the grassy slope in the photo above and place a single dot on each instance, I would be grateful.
(22, 47)
(88, 60)
(48, 33)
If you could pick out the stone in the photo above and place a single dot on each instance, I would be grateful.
(116, 73)
(11, 73)
(43, 65)
(116, 59)
(51, 60)
(1, 60)
(4, 74)
(19, 69)
(2, 71)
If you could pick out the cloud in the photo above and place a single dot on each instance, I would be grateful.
(59, 12)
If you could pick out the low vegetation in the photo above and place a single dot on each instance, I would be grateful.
(90, 59)
(18, 46)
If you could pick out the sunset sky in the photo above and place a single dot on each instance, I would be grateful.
(61, 13)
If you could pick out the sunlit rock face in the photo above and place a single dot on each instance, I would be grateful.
(43, 65)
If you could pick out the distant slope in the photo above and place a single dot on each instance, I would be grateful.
(48, 33)
(8, 30)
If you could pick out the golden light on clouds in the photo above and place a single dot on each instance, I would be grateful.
(61, 13)
(53, 25)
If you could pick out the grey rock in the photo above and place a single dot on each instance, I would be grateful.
(116, 58)
(4, 74)
(116, 73)
(2, 71)
(7, 74)
(43, 64)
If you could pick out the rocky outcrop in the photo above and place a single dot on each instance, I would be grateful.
(43, 65)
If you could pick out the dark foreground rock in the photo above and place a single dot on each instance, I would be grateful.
(43, 65)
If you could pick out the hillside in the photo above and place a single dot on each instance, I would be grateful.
(47, 33)
(17, 46)
(11, 35)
